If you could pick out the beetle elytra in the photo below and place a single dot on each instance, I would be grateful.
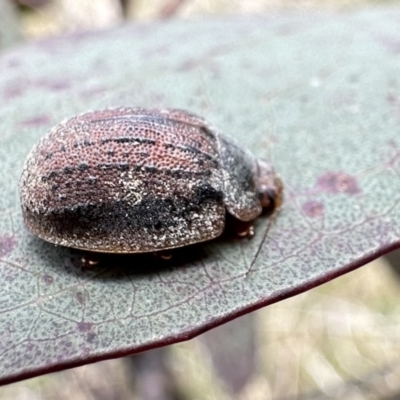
(133, 180)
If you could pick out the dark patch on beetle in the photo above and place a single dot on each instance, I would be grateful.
(205, 192)
(124, 167)
(193, 150)
(83, 167)
(128, 139)
(108, 167)
(150, 170)
(338, 182)
(177, 173)
(85, 143)
(68, 170)
(313, 208)
(111, 217)
(207, 132)
(48, 156)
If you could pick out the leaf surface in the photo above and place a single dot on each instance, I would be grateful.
(318, 95)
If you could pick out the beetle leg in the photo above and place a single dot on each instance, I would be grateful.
(89, 261)
(164, 255)
(245, 229)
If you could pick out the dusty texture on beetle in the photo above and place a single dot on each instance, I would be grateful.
(136, 180)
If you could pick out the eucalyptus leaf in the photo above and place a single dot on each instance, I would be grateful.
(317, 95)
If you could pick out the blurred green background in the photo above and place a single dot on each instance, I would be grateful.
(340, 340)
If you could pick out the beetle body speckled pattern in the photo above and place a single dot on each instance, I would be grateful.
(132, 180)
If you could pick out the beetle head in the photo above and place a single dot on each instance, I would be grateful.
(269, 186)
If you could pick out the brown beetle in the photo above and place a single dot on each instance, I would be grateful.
(133, 180)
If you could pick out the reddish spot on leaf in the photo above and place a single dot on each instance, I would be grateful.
(94, 92)
(13, 63)
(338, 182)
(55, 46)
(394, 102)
(391, 44)
(54, 85)
(85, 326)
(156, 51)
(48, 279)
(313, 208)
(188, 65)
(90, 337)
(7, 244)
(13, 91)
(37, 121)
(393, 99)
